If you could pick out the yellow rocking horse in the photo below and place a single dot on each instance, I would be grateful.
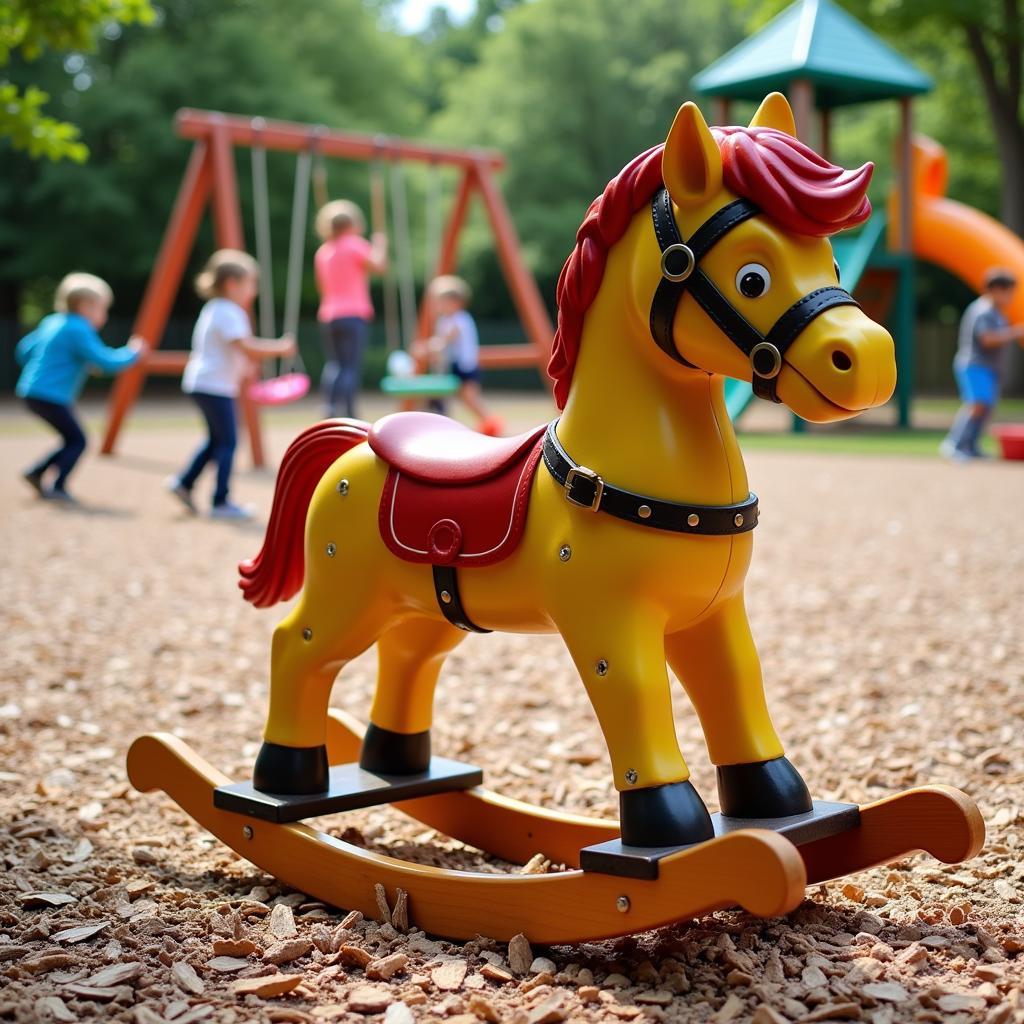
(634, 539)
(625, 526)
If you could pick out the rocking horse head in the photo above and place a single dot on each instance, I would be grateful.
(716, 244)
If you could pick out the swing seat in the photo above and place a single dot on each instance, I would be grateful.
(421, 385)
(289, 387)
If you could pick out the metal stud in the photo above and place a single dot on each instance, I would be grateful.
(738, 519)
(343, 487)
(644, 511)
(631, 776)
(446, 597)
(331, 550)
(693, 519)
(565, 552)
(247, 831)
(622, 904)
(602, 667)
(307, 634)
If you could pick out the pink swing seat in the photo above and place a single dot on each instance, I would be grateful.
(289, 387)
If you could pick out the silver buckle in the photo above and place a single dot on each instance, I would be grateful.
(592, 477)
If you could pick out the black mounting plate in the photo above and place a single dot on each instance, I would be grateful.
(349, 788)
(615, 858)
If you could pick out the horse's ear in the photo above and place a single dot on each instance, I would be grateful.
(775, 112)
(691, 165)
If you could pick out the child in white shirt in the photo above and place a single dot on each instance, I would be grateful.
(455, 335)
(222, 348)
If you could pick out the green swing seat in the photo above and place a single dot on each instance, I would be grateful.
(429, 385)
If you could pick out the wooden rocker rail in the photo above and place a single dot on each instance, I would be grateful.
(938, 820)
(755, 869)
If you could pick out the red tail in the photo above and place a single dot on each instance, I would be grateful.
(276, 573)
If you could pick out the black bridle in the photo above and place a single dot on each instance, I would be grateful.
(681, 273)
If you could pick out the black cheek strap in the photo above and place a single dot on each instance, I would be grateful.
(681, 273)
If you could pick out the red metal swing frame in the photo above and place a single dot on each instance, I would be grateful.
(210, 179)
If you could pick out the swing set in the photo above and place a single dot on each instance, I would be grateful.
(210, 180)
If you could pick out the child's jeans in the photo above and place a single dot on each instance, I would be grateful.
(62, 419)
(344, 342)
(219, 413)
(979, 386)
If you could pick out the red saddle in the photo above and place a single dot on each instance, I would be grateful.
(452, 496)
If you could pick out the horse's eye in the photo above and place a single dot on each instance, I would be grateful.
(835, 267)
(753, 280)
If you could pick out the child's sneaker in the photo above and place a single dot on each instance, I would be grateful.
(229, 510)
(60, 496)
(181, 492)
(492, 426)
(948, 450)
(35, 481)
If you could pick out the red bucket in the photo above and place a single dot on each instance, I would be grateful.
(1011, 440)
(289, 387)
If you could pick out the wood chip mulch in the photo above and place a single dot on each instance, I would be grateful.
(887, 597)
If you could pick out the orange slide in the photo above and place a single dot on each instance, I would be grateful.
(954, 236)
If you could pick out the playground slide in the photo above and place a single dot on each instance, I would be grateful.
(853, 252)
(956, 237)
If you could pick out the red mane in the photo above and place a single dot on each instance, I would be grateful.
(795, 187)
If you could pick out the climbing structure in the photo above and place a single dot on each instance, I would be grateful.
(823, 58)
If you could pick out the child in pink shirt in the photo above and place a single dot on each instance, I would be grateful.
(343, 265)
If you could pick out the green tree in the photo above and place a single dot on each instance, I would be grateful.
(332, 65)
(450, 47)
(991, 33)
(27, 29)
(973, 49)
(570, 92)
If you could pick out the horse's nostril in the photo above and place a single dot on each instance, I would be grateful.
(840, 360)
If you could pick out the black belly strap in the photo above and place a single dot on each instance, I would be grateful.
(449, 600)
(585, 488)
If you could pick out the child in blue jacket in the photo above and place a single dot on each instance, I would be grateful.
(56, 357)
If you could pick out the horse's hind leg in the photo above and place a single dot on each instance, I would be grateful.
(410, 655)
(310, 647)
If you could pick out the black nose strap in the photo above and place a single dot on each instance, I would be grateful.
(681, 273)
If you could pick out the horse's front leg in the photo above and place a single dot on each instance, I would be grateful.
(717, 663)
(619, 651)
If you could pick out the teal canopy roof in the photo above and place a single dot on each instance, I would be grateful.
(818, 41)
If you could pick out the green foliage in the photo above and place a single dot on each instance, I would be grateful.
(29, 27)
(932, 34)
(33, 25)
(451, 47)
(23, 122)
(330, 66)
(570, 92)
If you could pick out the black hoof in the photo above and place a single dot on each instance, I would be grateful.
(395, 753)
(670, 815)
(290, 770)
(764, 789)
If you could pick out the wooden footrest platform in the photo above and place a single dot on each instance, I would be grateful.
(616, 858)
(350, 788)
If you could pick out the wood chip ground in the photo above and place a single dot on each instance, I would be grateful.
(887, 599)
